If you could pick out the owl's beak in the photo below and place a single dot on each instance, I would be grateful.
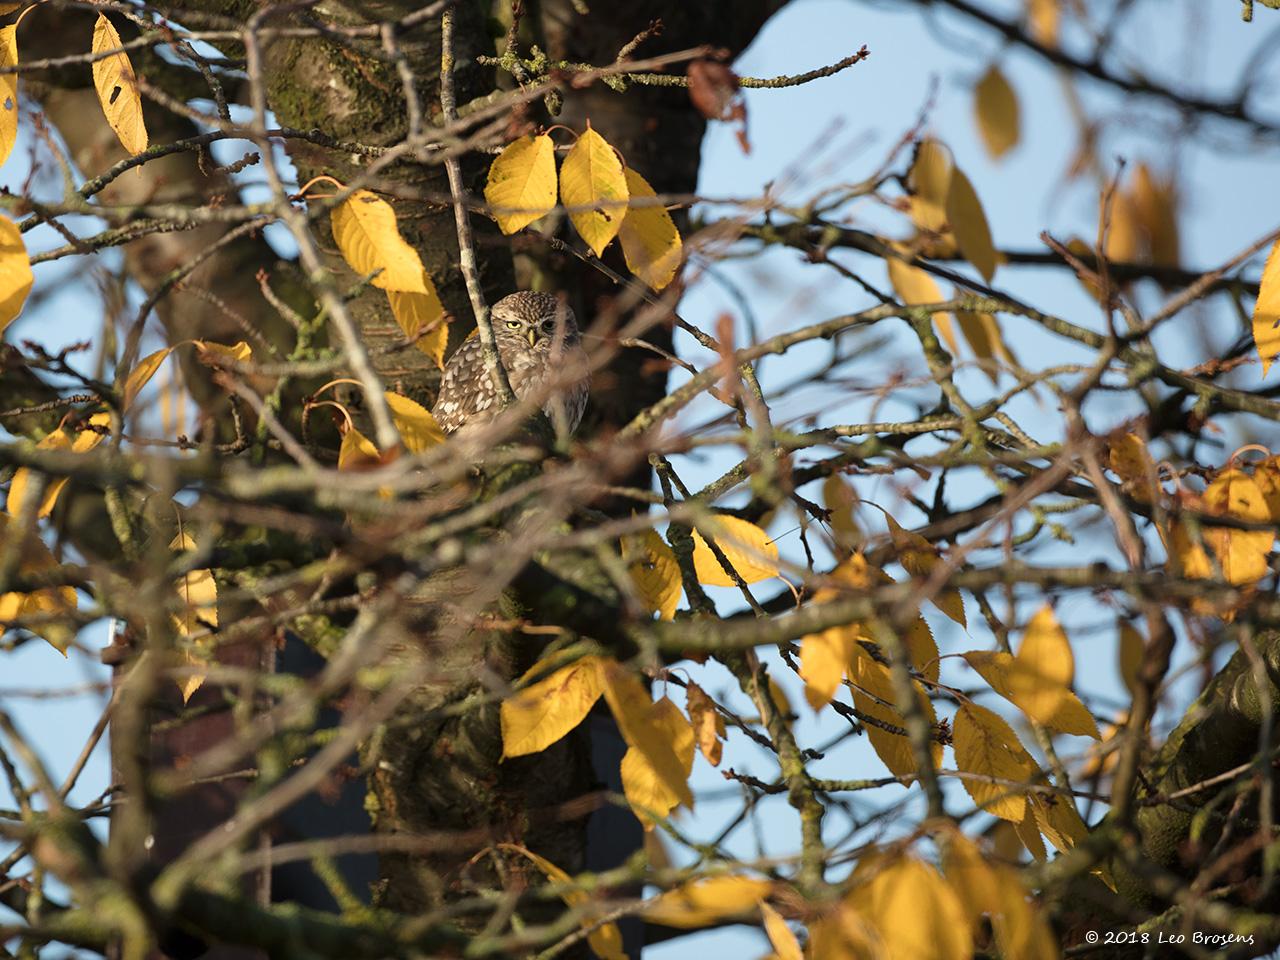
(532, 334)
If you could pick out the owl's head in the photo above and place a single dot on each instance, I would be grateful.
(537, 319)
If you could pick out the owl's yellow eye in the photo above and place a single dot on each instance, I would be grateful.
(513, 324)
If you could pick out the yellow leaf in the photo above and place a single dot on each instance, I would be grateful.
(918, 915)
(873, 696)
(1242, 554)
(708, 724)
(1155, 203)
(824, 658)
(8, 92)
(522, 183)
(1059, 820)
(1038, 678)
(357, 452)
(198, 595)
(996, 108)
(84, 441)
(594, 189)
(1029, 833)
(1040, 697)
(1020, 929)
(1132, 653)
(1267, 476)
(969, 224)
(364, 227)
(605, 940)
(1044, 16)
(648, 795)
(141, 375)
(785, 944)
(213, 354)
(985, 745)
(1266, 311)
(842, 934)
(922, 649)
(919, 557)
(52, 605)
(840, 500)
(982, 331)
(15, 272)
(538, 715)
(1130, 461)
(418, 428)
(1124, 233)
(650, 241)
(629, 702)
(654, 572)
(929, 182)
(915, 287)
(118, 89)
(1186, 554)
(701, 903)
(422, 311)
(747, 548)
(18, 486)
(972, 876)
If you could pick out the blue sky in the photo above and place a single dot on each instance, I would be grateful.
(837, 130)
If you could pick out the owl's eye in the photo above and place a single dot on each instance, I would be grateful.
(513, 324)
(548, 326)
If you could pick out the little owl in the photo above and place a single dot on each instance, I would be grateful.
(537, 340)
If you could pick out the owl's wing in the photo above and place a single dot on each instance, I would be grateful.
(466, 393)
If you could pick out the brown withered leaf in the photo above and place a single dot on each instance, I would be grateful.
(716, 94)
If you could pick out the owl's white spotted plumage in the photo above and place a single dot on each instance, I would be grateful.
(538, 339)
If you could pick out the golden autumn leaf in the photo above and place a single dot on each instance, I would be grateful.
(649, 796)
(972, 877)
(969, 224)
(197, 613)
(15, 272)
(1132, 649)
(1028, 833)
(1266, 311)
(84, 441)
(1242, 554)
(873, 696)
(1043, 17)
(416, 312)
(417, 427)
(747, 548)
(1038, 678)
(364, 227)
(986, 745)
(1156, 204)
(982, 333)
(629, 702)
(996, 891)
(840, 500)
(995, 105)
(212, 354)
(701, 903)
(654, 572)
(605, 940)
(8, 91)
(117, 88)
(916, 913)
(1128, 459)
(1124, 238)
(842, 934)
(594, 189)
(522, 182)
(785, 944)
(824, 659)
(49, 603)
(141, 375)
(914, 287)
(651, 243)
(708, 724)
(1266, 475)
(919, 557)
(538, 715)
(357, 452)
(929, 182)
